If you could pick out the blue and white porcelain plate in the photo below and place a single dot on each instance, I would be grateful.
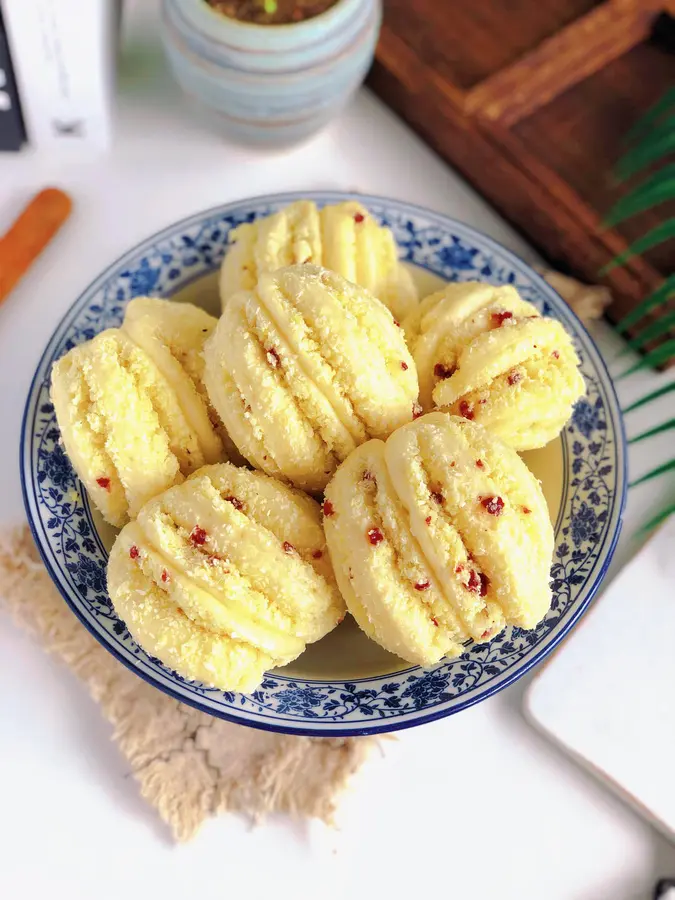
(583, 474)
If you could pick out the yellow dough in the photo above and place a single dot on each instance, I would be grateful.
(173, 335)
(437, 536)
(485, 353)
(343, 238)
(225, 576)
(304, 368)
(132, 409)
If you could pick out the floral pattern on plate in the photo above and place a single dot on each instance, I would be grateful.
(588, 524)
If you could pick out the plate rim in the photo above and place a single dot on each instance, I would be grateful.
(374, 726)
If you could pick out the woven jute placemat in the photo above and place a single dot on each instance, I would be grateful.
(188, 765)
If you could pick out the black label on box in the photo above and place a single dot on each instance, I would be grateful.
(12, 131)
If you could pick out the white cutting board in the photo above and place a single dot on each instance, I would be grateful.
(608, 694)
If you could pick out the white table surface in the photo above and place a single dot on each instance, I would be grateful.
(478, 805)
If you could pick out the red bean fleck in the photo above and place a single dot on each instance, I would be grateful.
(480, 463)
(478, 583)
(397, 323)
(437, 497)
(308, 260)
(466, 409)
(423, 585)
(555, 354)
(404, 365)
(493, 505)
(374, 536)
(358, 218)
(527, 510)
(328, 508)
(134, 552)
(198, 536)
(459, 568)
(317, 554)
(165, 576)
(417, 410)
(435, 621)
(368, 476)
(273, 357)
(442, 371)
(498, 318)
(235, 501)
(515, 377)
(288, 548)
(104, 483)
(485, 635)
(453, 464)
(428, 520)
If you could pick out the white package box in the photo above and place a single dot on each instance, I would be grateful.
(64, 59)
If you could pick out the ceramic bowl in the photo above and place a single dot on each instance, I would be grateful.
(270, 85)
(343, 684)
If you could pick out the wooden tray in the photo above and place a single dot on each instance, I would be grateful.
(530, 101)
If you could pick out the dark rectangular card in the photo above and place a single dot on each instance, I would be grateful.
(12, 131)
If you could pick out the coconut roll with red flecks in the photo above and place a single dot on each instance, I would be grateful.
(430, 549)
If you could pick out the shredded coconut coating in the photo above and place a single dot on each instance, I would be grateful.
(438, 536)
(132, 407)
(485, 353)
(225, 576)
(305, 368)
(343, 238)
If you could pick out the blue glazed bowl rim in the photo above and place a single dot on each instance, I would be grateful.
(445, 222)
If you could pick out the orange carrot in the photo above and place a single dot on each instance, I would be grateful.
(30, 234)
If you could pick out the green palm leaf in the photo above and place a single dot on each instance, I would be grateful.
(666, 426)
(660, 108)
(656, 189)
(662, 232)
(662, 516)
(657, 329)
(658, 143)
(652, 139)
(649, 398)
(659, 296)
(654, 358)
(660, 470)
